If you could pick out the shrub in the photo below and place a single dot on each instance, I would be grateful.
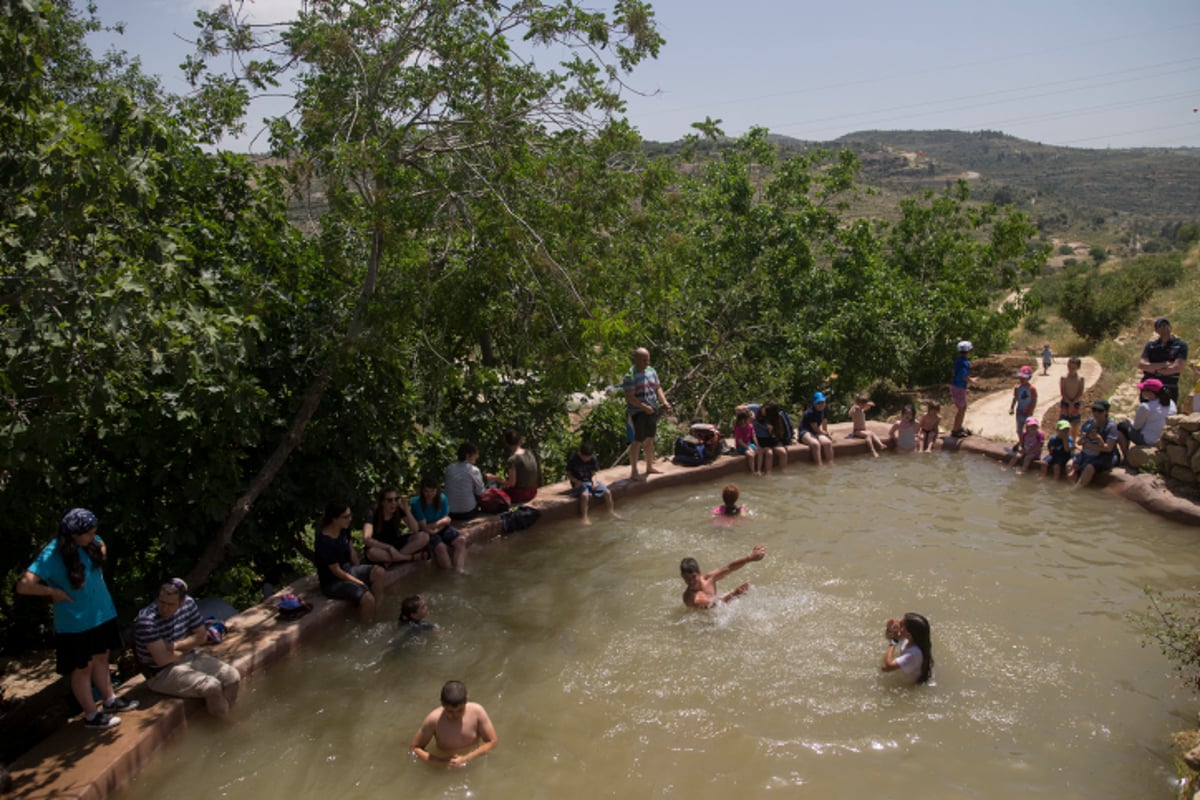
(1066, 250)
(1174, 624)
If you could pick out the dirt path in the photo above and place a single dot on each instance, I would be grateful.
(989, 417)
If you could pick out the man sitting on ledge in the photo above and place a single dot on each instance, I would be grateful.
(167, 634)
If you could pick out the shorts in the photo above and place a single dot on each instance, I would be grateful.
(816, 437)
(928, 438)
(521, 494)
(593, 488)
(463, 516)
(1100, 462)
(639, 425)
(349, 590)
(196, 675)
(1131, 433)
(74, 651)
(445, 536)
(769, 442)
(959, 394)
(1060, 458)
(746, 448)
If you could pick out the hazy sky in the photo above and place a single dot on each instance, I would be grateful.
(1081, 73)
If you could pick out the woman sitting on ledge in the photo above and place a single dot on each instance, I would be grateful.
(521, 482)
(385, 541)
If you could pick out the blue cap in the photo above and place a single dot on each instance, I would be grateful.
(818, 397)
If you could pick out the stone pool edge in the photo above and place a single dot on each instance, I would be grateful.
(78, 763)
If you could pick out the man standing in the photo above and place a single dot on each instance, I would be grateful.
(167, 634)
(643, 398)
(1164, 357)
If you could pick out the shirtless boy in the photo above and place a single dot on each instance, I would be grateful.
(1070, 386)
(702, 588)
(462, 729)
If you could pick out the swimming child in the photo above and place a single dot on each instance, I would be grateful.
(930, 424)
(746, 441)
(729, 500)
(701, 589)
(1058, 450)
(461, 729)
(910, 638)
(1070, 386)
(958, 388)
(1029, 447)
(1024, 399)
(903, 435)
(412, 614)
(858, 415)
(1047, 358)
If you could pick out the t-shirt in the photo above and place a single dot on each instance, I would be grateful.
(962, 368)
(811, 422)
(911, 660)
(1156, 351)
(1060, 445)
(464, 486)
(644, 385)
(1151, 417)
(1031, 442)
(1108, 433)
(151, 627)
(389, 531)
(330, 550)
(525, 467)
(430, 513)
(91, 604)
(743, 435)
(580, 470)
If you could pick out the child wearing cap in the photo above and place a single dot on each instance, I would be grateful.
(1029, 446)
(814, 432)
(958, 388)
(1058, 450)
(1024, 399)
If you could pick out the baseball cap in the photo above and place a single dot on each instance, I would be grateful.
(818, 397)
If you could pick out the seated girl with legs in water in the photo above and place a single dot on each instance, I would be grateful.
(909, 647)
(858, 416)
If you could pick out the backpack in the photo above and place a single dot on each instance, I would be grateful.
(519, 520)
(494, 501)
(292, 606)
(689, 452)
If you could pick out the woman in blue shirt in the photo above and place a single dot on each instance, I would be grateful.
(431, 510)
(70, 571)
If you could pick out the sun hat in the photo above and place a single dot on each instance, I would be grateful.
(1032, 421)
(964, 346)
(818, 397)
(1025, 372)
(1063, 424)
(1153, 384)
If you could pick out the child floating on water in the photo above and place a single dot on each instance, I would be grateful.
(729, 500)
(858, 415)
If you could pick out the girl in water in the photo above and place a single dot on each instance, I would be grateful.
(909, 647)
(903, 435)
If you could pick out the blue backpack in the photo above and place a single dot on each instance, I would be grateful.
(689, 451)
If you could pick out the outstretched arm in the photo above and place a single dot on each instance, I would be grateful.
(757, 554)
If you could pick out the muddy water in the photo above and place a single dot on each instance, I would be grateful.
(602, 685)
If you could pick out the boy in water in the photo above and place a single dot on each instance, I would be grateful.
(702, 588)
(1070, 386)
(462, 729)
(413, 612)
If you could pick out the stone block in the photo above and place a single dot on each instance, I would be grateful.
(1194, 462)
(1139, 456)
(1172, 436)
(1183, 474)
(1177, 454)
(1187, 422)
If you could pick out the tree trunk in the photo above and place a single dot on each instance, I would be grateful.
(214, 552)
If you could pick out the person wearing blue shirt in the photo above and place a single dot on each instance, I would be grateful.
(70, 571)
(431, 510)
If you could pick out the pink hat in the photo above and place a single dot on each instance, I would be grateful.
(1032, 421)
(1025, 372)
(1153, 384)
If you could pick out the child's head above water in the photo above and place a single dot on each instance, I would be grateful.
(729, 495)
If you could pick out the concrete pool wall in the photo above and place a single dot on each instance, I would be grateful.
(81, 763)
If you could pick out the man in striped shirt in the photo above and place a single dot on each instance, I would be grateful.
(167, 635)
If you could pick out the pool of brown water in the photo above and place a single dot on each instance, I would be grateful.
(601, 684)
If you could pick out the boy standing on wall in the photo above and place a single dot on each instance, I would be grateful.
(958, 388)
(1070, 386)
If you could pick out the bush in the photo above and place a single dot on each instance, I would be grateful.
(1066, 250)
(1174, 624)
(1098, 306)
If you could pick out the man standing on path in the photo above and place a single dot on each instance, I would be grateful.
(643, 398)
(1164, 357)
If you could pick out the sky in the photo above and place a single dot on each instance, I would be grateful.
(1091, 74)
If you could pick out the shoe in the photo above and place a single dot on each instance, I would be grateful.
(101, 720)
(119, 703)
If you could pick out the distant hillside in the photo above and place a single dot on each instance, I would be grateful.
(1111, 196)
